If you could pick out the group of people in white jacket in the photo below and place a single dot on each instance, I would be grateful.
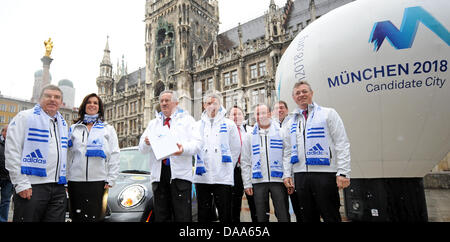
(308, 153)
(43, 155)
(306, 156)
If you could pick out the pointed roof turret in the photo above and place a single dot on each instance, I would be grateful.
(272, 5)
(106, 56)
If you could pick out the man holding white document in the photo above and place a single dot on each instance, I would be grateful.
(170, 141)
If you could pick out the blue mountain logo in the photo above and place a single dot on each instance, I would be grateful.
(35, 157)
(97, 142)
(316, 147)
(404, 38)
(316, 150)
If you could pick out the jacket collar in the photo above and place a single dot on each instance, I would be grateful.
(219, 116)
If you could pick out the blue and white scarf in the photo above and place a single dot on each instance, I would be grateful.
(201, 169)
(36, 145)
(224, 148)
(224, 143)
(317, 148)
(89, 119)
(96, 141)
(275, 152)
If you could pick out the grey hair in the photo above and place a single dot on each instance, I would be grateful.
(51, 87)
(174, 95)
(212, 94)
(297, 84)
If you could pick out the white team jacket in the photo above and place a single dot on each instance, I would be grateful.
(217, 172)
(86, 169)
(13, 153)
(246, 158)
(337, 138)
(182, 126)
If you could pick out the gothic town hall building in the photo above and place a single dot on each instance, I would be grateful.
(185, 52)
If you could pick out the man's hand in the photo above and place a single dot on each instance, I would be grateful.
(180, 150)
(146, 140)
(26, 194)
(289, 184)
(249, 191)
(342, 182)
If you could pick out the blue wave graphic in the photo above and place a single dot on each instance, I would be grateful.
(404, 38)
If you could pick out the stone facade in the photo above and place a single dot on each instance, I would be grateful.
(185, 52)
(123, 96)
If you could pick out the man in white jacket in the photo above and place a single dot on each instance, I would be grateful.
(172, 178)
(214, 169)
(35, 155)
(262, 166)
(317, 153)
(281, 116)
(237, 115)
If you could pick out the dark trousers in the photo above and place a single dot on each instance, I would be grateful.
(280, 201)
(238, 191)
(222, 195)
(171, 200)
(295, 205)
(6, 188)
(252, 207)
(318, 196)
(47, 204)
(86, 201)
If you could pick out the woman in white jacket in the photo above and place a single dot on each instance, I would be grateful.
(93, 160)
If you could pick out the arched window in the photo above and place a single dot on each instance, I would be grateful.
(159, 88)
(199, 52)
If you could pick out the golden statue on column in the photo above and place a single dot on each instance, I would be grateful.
(48, 47)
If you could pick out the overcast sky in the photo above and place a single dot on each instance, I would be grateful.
(78, 30)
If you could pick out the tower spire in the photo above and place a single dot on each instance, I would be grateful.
(105, 79)
(106, 56)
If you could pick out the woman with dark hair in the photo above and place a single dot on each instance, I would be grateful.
(93, 161)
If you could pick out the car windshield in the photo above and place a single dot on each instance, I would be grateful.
(133, 161)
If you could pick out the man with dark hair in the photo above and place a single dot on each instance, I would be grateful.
(281, 112)
(36, 160)
(237, 115)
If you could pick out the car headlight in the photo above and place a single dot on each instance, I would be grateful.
(132, 196)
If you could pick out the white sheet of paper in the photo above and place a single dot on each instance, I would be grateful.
(163, 143)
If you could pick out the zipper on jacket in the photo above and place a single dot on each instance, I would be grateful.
(267, 158)
(331, 154)
(87, 167)
(87, 158)
(57, 149)
(304, 141)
